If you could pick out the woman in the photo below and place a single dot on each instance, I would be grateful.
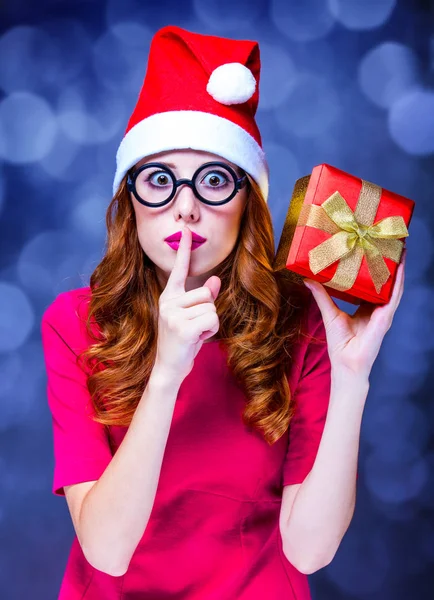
(206, 410)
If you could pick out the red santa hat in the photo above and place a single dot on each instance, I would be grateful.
(200, 92)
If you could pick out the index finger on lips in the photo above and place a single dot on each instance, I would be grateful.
(178, 275)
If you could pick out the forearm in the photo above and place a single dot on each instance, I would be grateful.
(115, 512)
(324, 504)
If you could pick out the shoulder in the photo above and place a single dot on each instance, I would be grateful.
(67, 315)
(66, 303)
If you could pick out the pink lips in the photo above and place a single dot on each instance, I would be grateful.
(175, 245)
(175, 237)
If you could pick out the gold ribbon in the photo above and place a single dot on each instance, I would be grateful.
(354, 235)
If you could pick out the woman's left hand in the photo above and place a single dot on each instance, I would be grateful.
(354, 341)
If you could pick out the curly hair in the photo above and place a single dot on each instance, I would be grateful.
(259, 311)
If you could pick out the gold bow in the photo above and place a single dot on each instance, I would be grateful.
(353, 236)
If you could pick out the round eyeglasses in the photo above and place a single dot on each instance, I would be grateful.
(214, 183)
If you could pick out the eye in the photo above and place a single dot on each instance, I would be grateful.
(159, 178)
(215, 179)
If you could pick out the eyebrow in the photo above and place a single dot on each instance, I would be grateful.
(172, 166)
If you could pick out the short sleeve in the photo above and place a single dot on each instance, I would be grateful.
(81, 446)
(311, 396)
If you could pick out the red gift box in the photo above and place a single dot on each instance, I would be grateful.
(345, 232)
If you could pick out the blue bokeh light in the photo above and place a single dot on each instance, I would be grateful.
(311, 108)
(302, 21)
(397, 480)
(90, 116)
(229, 14)
(278, 78)
(49, 261)
(119, 57)
(371, 571)
(28, 50)
(411, 122)
(387, 72)
(16, 317)
(361, 14)
(29, 128)
(343, 82)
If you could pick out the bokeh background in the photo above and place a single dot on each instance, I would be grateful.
(347, 82)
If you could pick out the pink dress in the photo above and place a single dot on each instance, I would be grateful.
(213, 532)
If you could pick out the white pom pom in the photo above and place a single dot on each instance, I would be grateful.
(232, 83)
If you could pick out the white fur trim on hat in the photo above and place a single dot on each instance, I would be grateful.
(197, 130)
(232, 83)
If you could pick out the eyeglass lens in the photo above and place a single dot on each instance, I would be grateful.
(214, 183)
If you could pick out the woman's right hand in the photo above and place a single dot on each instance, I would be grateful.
(185, 319)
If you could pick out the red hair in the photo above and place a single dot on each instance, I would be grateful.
(259, 311)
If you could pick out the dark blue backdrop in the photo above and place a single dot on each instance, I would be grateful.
(347, 82)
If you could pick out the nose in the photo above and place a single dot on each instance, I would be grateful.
(182, 185)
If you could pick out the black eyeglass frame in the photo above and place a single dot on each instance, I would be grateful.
(239, 182)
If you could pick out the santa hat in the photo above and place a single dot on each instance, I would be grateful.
(200, 92)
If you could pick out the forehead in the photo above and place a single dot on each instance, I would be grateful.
(185, 158)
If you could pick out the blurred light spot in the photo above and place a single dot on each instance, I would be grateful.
(414, 363)
(90, 115)
(411, 122)
(16, 317)
(120, 56)
(317, 57)
(311, 107)
(89, 207)
(400, 513)
(396, 428)
(278, 76)
(363, 562)
(421, 254)
(58, 161)
(284, 167)
(89, 265)
(81, 165)
(387, 72)
(22, 373)
(29, 51)
(412, 332)
(11, 369)
(397, 480)
(149, 13)
(50, 55)
(49, 262)
(361, 14)
(226, 14)
(301, 21)
(104, 166)
(28, 126)
(73, 46)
